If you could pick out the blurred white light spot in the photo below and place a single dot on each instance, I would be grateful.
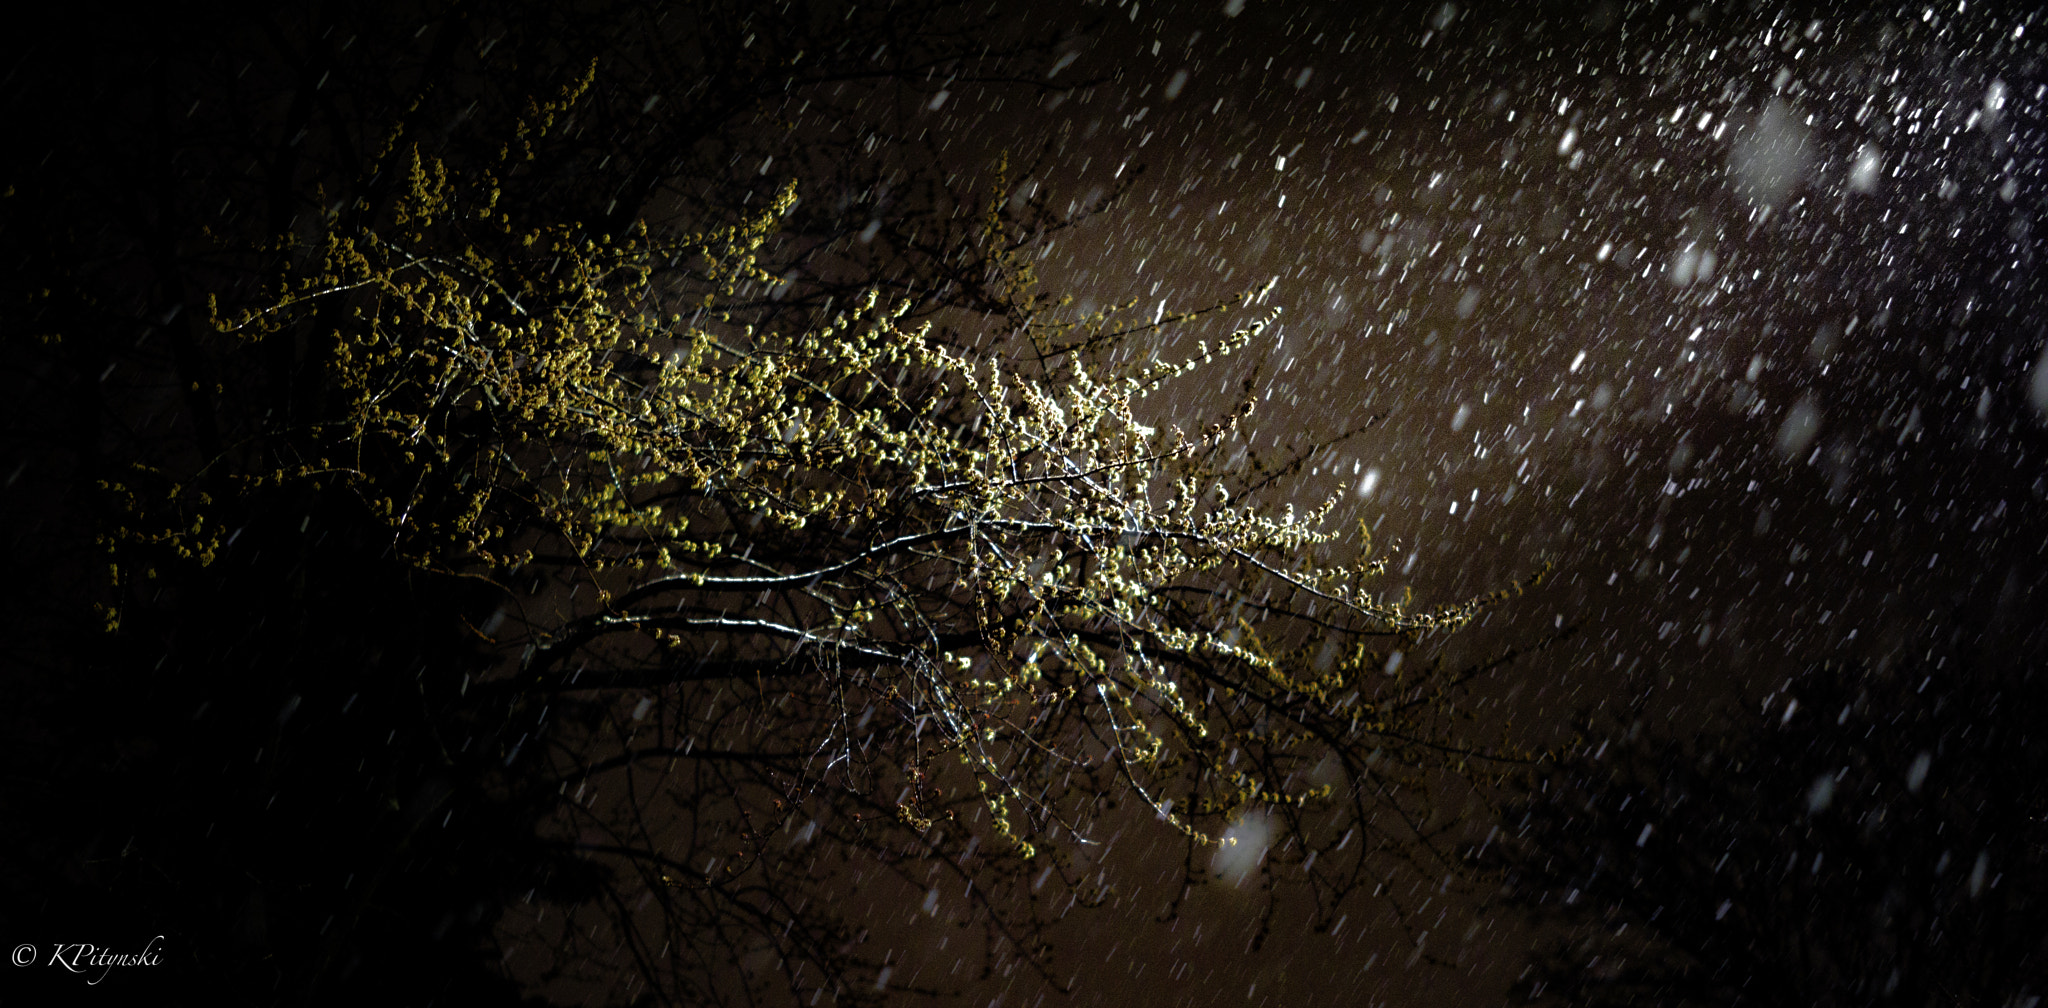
(1863, 174)
(1801, 426)
(1916, 775)
(1771, 155)
(2037, 388)
(1241, 849)
(1693, 262)
(1469, 303)
(1822, 794)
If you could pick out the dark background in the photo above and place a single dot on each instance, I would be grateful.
(1730, 311)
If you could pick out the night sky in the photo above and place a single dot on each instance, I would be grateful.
(1729, 313)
